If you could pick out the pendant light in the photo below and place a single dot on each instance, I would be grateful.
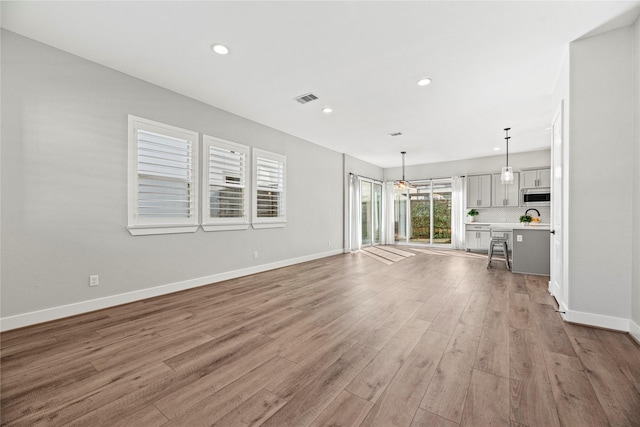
(506, 177)
(402, 184)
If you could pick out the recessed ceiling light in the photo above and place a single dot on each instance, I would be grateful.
(496, 148)
(424, 82)
(220, 49)
(327, 110)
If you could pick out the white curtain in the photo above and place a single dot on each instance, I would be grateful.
(354, 237)
(389, 237)
(458, 194)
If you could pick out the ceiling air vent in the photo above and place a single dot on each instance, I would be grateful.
(307, 97)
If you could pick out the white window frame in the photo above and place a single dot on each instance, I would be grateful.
(281, 219)
(141, 225)
(210, 223)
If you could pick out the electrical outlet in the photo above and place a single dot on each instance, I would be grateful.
(255, 254)
(94, 280)
(519, 238)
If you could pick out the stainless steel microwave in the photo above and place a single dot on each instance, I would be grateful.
(535, 197)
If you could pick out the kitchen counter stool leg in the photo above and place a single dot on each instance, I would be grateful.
(505, 249)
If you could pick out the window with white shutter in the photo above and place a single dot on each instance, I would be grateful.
(269, 189)
(163, 177)
(225, 194)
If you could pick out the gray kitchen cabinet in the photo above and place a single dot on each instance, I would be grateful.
(506, 194)
(477, 237)
(536, 178)
(479, 191)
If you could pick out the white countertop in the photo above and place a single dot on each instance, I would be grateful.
(514, 225)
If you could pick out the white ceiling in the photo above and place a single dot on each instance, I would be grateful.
(493, 64)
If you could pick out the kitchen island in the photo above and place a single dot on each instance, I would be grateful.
(531, 251)
(529, 243)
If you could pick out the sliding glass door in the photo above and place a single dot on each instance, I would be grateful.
(420, 208)
(400, 214)
(377, 213)
(371, 211)
(423, 213)
(441, 194)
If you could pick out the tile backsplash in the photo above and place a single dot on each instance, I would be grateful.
(510, 214)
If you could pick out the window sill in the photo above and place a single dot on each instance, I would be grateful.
(146, 231)
(224, 227)
(259, 225)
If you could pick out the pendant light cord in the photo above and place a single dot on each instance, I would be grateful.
(507, 138)
(403, 153)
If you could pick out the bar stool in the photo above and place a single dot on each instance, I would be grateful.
(500, 242)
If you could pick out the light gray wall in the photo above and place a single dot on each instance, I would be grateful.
(64, 185)
(601, 158)
(635, 316)
(362, 168)
(490, 164)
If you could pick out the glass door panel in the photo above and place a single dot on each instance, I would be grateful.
(365, 197)
(377, 214)
(441, 213)
(400, 215)
(420, 201)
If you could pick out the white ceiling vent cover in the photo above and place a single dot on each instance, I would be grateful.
(307, 97)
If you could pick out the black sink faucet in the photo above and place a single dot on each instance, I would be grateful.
(533, 209)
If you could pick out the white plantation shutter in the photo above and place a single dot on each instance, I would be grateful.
(270, 185)
(225, 194)
(269, 189)
(162, 178)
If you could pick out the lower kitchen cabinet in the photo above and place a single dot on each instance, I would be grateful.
(477, 237)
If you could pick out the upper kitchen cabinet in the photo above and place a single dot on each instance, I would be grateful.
(538, 178)
(506, 194)
(479, 191)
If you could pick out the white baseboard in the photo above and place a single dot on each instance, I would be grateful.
(554, 290)
(53, 313)
(598, 320)
(634, 331)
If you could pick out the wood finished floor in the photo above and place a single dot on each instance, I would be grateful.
(430, 340)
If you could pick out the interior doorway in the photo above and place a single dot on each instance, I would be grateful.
(557, 283)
